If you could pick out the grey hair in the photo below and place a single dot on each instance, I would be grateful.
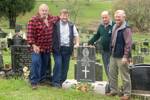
(120, 12)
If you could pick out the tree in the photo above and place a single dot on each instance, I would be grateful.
(74, 8)
(138, 12)
(10, 9)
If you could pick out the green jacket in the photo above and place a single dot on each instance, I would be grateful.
(104, 34)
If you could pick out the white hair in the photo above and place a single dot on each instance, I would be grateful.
(43, 6)
(120, 12)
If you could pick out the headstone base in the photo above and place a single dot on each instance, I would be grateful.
(99, 87)
(140, 95)
(69, 83)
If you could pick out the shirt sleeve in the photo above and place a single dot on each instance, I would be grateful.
(95, 37)
(31, 32)
(75, 31)
(55, 19)
(128, 42)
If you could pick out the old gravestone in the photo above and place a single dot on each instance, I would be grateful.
(138, 59)
(86, 69)
(20, 57)
(1, 60)
(1, 57)
(140, 77)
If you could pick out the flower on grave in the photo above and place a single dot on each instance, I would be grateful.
(84, 87)
(26, 72)
(7, 66)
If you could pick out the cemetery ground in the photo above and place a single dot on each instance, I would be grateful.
(19, 89)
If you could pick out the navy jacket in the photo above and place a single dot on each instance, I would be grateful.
(56, 36)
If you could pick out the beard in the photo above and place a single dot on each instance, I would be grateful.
(44, 16)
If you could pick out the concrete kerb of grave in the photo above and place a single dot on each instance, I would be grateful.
(96, 87)
(88, 73)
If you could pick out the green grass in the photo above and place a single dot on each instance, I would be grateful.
(86, 15)
(20, 90)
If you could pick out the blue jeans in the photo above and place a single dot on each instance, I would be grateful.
(106, 61)
(39, 66)
(61, 59)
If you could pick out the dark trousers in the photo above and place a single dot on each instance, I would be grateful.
(106, 61)
(39, 67)
(61, 59)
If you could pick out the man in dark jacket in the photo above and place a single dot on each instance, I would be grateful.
(104, 34)
(64, 37)
(121, 53)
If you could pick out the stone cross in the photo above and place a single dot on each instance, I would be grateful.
(86, 69)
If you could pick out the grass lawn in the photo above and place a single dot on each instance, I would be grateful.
(19, 89)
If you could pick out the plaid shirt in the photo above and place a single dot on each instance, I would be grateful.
(40, 34)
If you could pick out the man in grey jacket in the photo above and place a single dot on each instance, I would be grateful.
(121, 48)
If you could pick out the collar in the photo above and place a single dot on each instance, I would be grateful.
(110, 23)
(123, 25)
(62, 23)
(39, 17)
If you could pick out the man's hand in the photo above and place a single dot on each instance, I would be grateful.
(76, 45)
(36, 49)
(124, 60)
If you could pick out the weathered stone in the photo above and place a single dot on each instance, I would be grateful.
(98, 72)
(140, 77)
(17, 40)
(1, 61)
(138, 59)
(86, 69)
(89, 52)
(100, 87)
(20, 56)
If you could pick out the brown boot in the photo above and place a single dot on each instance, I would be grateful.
(125, 97)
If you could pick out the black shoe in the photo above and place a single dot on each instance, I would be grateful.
(44, 83)
(56, 85)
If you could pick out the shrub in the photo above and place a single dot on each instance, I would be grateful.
(137, 11)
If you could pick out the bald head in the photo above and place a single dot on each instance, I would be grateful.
(105, 13)
(43, 10)
(105, 17)
(119, 17)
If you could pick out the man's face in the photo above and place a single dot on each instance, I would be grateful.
(105, 19)
(119, 18)
(43, 11)
(64, 17)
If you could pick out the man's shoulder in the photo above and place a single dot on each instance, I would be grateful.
(113, 23)
(71, 23)
(34, 18)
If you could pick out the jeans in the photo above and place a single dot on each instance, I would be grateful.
(61, 59)
(39, 66)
